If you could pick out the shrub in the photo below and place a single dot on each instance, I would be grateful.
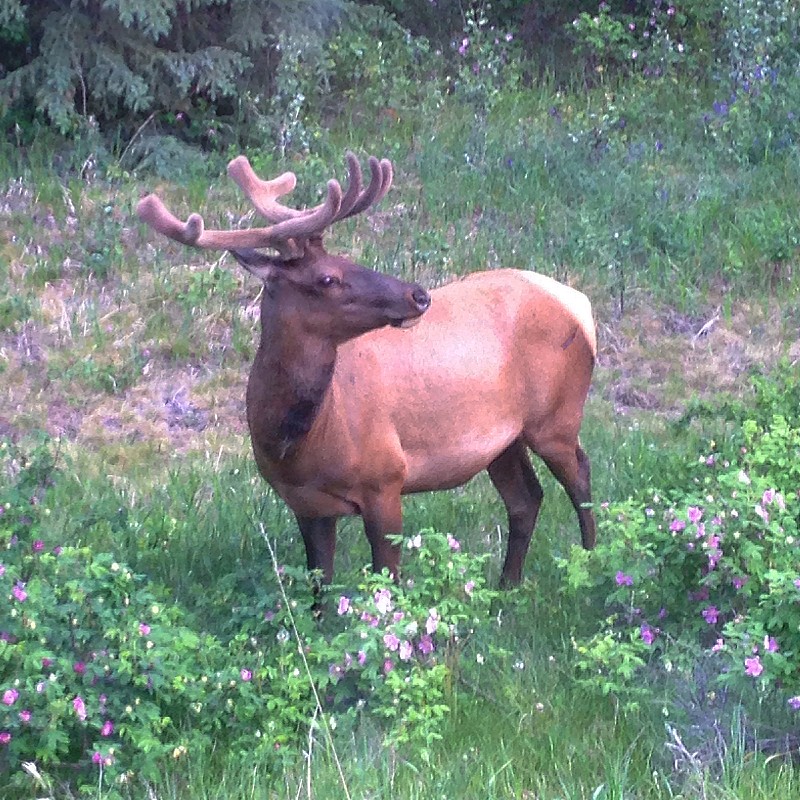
(704, 569)
(104, 680)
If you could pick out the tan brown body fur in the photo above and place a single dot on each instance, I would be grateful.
(500, 358)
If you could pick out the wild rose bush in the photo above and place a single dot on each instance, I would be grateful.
(105, 680)
(706, 570)
(401, 647)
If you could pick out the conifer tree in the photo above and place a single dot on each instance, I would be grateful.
(117, 60)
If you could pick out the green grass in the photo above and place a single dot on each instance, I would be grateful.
(134, 352)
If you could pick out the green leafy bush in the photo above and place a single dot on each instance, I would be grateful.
(104, 678)
(706, 569)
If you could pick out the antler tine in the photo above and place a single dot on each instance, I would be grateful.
(379, 184)
(307, 222)
(354, 185)
(263, 194)
(387, 174)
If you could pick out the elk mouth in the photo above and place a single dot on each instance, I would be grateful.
(405, 323)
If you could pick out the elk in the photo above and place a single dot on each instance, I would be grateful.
(366, 387)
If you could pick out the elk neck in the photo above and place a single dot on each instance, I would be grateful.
(289, 380)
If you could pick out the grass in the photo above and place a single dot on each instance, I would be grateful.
(134, 353)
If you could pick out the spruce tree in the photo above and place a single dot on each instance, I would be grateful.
(115, 61)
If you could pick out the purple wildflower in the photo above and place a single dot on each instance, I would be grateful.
(10, 697)
(753, 666)
(623, 580)
(710, 615)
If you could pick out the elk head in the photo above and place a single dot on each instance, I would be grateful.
(334, 296)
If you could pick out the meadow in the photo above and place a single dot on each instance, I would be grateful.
(161, 640)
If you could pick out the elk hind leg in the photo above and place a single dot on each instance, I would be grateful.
(516, 482)
(569, 464)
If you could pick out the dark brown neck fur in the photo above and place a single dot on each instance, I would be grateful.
(288, 383)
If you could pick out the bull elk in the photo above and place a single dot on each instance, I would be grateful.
(365, 387)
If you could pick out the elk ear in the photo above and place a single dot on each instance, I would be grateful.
(256, 262)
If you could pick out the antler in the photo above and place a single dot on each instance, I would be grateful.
(291, 227)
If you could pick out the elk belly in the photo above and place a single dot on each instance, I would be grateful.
(452, 462)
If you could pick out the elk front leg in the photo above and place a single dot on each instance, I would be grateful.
(384, 517)
(319, 536)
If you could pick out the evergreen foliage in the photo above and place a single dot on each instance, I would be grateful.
(120, 59)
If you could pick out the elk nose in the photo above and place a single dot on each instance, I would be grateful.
(420, 298)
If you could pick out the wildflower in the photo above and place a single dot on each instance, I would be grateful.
(647, 633)
(415, 542)
(469, 586)
(383, 601)
(753, 666)
(744, 477)
(362, 658)
(759, 509)
(623, 580)
(2, 570)
(770, 644)
(25, 715)
(5, 737)
(335, 671)
(391, 641)
(794, 702)
(432, 623)
(10, 697)
(694, 514)
(739, 581)
(388, 666)
(245, 674)
(677, 525)
(80, 708)
(79, 667)
(144, 629)
(464, 47)
(19, 592)
(344, 606)
(453, 542)
(406, 650)
(97, 757)
(718, 645)
(37, 546)
(770, 496)
(426, 645)
(107, 729)
(710, 614)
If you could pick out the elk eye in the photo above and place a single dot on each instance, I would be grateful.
(326, 281)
